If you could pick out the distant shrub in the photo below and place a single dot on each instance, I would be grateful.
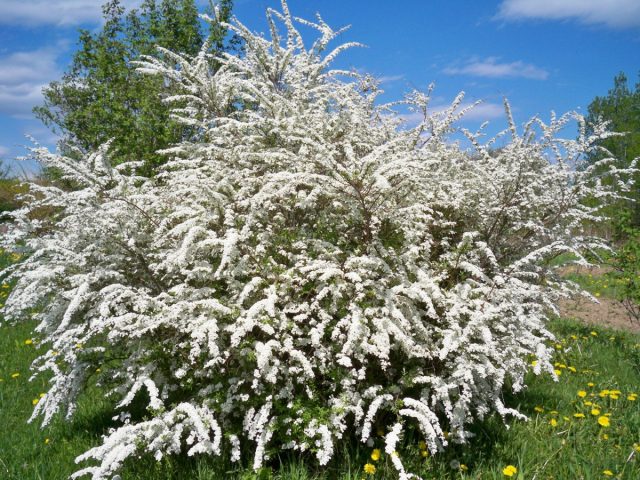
(626, 263)
(304, 272)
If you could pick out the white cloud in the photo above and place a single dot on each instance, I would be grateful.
(22, 77)
(59, 12)
(4, 151)
(390, 78)
(492, 68)
(613, 13)
(481, 112)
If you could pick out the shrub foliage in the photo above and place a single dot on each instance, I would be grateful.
(309, 269)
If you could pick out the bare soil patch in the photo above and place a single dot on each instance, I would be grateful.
(607, 312)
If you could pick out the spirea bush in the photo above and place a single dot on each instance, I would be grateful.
(305, 269)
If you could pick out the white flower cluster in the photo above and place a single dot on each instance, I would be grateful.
(304, 267)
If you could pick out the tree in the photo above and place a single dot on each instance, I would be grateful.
(621, 108)
(102, 98)
(305, 270)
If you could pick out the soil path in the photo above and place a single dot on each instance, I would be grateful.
(607, 312)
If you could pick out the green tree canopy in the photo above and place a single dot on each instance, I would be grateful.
(101, 97)
(621, 107)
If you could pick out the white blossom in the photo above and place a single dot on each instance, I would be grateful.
(304, 265)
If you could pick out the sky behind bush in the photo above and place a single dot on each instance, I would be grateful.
(542, 55)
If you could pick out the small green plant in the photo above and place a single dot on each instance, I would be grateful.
(626, 265)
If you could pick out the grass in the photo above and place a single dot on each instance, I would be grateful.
(553, 444)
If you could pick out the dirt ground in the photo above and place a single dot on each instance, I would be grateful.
(606, 312)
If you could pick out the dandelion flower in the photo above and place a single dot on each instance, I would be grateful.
(553, 422)
(15, 375)
(46, 441)
(375, 455)
(595, 412)
(558, 372)
(35, 401)
(582, 393)
(370, 468)
(604, 421)
(28, 341)
(572, 369)
(608, 473)
(578, 415)
(463, 467)
(422, 445)
(591, 384)
(509, 471)
(539, 409)
(632, 397)
(595, 334)
(424, 453)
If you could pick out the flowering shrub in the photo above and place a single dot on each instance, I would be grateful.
(303, 270)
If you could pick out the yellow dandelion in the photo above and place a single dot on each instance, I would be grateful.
(578, 415)
(534, 363)
(422, 445)
(608, 473)
(553, 412)
(591, 384)
(605, 436)
(424, 453)
(603, 421)
(28, 341)
(509, 471)
(558, 372)
(41, 395)
(588, 404)
(46, 441)
(614, 396)
(582, 393)
(539, 409)
(632, 397)
(15, 375)
(636, 447)
(595, 334)
(370, 469)
(463, 467)
(572, 369)
(595, 412)
(375, 455)
(35, 401)
(553, 422)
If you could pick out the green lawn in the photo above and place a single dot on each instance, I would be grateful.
(557, 442)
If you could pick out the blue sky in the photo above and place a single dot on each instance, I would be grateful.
(542, 55)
